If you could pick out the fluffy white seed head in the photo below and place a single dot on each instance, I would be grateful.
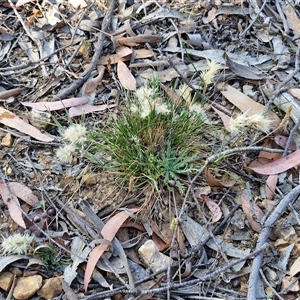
(16, 244)
(197, 108)
(65, 153)
(144, 92)
(184, 91)
(238, 123)
(212, 70)
(75, 133)
(260, 121)
(145, 108)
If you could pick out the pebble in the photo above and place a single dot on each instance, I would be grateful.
(90, 179)
(154, 260)
(6, 280)
(7, 140)
(52, 287)
(31, 175)
(26, 287)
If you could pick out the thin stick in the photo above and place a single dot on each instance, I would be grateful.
(254, 20)
(284, 82)
(269, 285)
(216, 157)
(263, 237)
(178, 285)
(98, 51)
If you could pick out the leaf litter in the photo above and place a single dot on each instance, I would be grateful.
(58, 60)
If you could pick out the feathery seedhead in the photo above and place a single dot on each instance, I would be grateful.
(65, 153)
(16, 244)
(75, 133)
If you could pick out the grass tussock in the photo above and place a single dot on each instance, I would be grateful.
(154, 140)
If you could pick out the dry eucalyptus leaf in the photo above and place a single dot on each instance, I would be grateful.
(214, 208)
(57, 105)
(280, 165)
(23, 192)
(108, 232)
(126, 78)
(87, 108)
(250, 209)
(214, 182)
(12, 202)
(245, 103)
(9, 119)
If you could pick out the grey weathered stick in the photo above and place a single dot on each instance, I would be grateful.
(263, 237)
(174, 286)
(254, 20)
(98, 51)
(279, 88)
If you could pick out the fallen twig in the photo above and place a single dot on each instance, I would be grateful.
(284, 82)
(216, 157)
(254, 20)
(263, 237)
(98, 51)
(175, 286)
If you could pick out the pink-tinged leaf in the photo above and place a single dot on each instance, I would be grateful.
(295, 267)
(268, 143)
(225, 118)
(108, 232)
(214, 182)
(270, 186)
(295, 93)
(245, 103)
(211, 14)
(214, 208)
(87, 108)
(91, 85)
(281, 141)
(126, 78)
(11, 120)
(288, 284)
(57, 105)
(22, 2)
(280, 165)
(23, 192)
(123, 51)
(250, 209)
(13, 205)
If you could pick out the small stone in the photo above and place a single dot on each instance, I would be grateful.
(153, 259)
(238, 219)
(268, 291)
(31, 175)
(39, 119)
(7, 140)
(9, 171)
(90, 179)
(236, 283)
(52, 287)
(26, 287)
(6, 280)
